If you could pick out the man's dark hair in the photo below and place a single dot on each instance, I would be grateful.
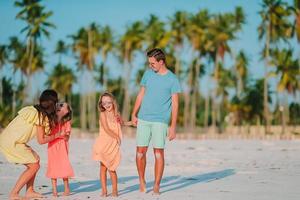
(158, 54)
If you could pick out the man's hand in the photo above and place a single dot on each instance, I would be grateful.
(134, 120)
(172, 133)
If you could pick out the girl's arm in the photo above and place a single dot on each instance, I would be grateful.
(129, 123)
(104, 124)
(42, 138)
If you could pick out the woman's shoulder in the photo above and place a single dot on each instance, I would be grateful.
(29, 113)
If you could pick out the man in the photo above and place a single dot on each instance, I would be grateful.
(156, 101)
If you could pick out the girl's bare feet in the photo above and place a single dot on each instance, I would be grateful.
(55, 194)
(67, 193)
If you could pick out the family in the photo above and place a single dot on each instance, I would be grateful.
(154, 114)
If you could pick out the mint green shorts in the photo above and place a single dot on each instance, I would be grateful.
(155, 130)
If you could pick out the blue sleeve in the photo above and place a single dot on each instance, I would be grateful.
(176, 88)
(144, 78)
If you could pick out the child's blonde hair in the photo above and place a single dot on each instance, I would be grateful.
(114, 101)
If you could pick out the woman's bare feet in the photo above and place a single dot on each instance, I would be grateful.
(15, 196)
(33, 194)
(143, 187)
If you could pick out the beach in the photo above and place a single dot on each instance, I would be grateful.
(194, 169)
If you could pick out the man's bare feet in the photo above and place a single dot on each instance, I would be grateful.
(143, 188)
(104, 194)
(156, 190)
(15, 196)
(33, 194)
(114, 194)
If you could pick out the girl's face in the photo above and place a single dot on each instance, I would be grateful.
(107, 103)
(62, 109)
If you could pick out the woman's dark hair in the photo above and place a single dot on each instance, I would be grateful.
(158, 54)
(46, 106)
(68, 116)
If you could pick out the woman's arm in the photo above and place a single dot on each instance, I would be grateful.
(42, 138)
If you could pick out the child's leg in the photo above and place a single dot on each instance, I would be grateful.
(114, 183)
(27, 177)
(67, 187)
(54, 186)
(103, 179)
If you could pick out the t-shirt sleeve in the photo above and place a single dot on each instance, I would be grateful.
(176, 88)
(144, 78)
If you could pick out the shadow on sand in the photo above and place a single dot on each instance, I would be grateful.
(168, 184)
(171, 183)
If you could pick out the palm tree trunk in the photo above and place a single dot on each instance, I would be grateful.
(266, 105)
(92, 111)
(206, 111)
(214, 108)
(83, 117)
(193, 112)
(29, 77)
(126, 104)
(1, 87)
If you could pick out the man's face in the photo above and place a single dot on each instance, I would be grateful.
(154, 64)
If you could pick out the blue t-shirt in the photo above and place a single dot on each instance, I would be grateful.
(157, 100)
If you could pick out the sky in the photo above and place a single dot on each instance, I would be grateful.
(70, 15)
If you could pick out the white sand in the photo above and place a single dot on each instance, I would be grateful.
(203, 169)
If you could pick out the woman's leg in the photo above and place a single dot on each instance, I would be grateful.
(67, 187)
(27, 177)
(54, 186)
(114, 182)
(103, 179)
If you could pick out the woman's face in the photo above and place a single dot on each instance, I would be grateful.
(107, 103)
(62, 109)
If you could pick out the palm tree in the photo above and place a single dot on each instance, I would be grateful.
(86, 46)
(275, 26)
(241, 72)
(288, 70)
(61, 79)
(222, 29)
(61, 49)
(33, 13)
(3, 60)
(156, 35)
(107, 45)
(130, 42)
(196, 34)
(178, 23)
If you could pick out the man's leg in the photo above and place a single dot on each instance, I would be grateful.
(143, 136)
(159, 133)
(158, 169)
(141, 166)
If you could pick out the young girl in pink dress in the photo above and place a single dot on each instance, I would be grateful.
(107, 146)
(59, 165)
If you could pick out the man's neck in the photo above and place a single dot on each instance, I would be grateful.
(163, 70)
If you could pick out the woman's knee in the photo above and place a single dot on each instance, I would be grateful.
(34, 166)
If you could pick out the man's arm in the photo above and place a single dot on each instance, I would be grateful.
(172, 129)
(137, 105)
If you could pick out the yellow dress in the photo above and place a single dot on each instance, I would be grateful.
(14, 138)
